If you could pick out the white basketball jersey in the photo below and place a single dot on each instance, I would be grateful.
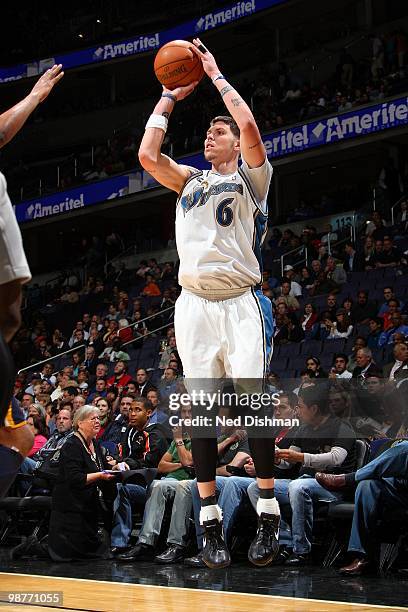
(221, 221)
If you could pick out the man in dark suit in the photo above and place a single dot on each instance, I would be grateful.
(353, 262)
(365, 366)
(398, 369)
(143, 383)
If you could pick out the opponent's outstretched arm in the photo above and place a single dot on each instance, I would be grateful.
(165, 170)
(252, 147)
(12, 120)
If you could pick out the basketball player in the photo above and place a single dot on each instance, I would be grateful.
(223, 322)
(16, 438)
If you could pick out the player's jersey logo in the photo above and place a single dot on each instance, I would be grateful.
(199, 197)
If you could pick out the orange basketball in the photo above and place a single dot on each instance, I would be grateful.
(176, 65)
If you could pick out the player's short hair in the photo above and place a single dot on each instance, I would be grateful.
(229, 121)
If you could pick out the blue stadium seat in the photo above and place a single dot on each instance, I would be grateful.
(289, 350)
(333, 346)
(311, 347)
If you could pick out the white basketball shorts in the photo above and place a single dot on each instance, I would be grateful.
(13, 262)
(224, 339)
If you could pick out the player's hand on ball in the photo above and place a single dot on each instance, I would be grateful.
(209, 63)
(47, 81)
(181, 92)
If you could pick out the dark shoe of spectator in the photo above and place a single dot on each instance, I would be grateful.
(357, 567)
(265, 545)
(296, 560)
(119, 550)
(196, 561)
(331, 482)
(140, 552)
(173, 554)
(215, 551)
(284, 553)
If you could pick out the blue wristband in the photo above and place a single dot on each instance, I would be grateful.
(170, 96)
(219, 76)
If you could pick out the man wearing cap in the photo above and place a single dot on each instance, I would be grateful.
(295, 288)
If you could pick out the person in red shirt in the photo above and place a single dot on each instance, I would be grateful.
(120, 377)
(151, 288)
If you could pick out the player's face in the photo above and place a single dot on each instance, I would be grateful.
(220, 144)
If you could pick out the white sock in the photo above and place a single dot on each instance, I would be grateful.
(209, 513)
(269, 506)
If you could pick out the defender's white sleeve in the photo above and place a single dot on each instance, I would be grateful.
(13, 262)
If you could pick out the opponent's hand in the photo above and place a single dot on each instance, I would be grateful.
(209, 64)
(47, 81)
(181, 92)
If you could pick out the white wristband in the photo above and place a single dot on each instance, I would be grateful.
(157, 121)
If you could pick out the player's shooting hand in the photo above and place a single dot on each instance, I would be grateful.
(181, 92)
(47, 81)
(209, 64)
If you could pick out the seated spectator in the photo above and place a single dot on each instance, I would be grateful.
(376, 328)
(323, 284)
(335, 273)
(309, 317)
(295, 288)
(393, 307)
(328, 236)
(363, 310)
(376, 256)
(359, 343)
(367, 252)
(143, 383)
(73, 531)
(157, 415)
(114, 352)
(398, 369)
(348, 307)
(151, 288)
(105, 414)
(100, 389)
(340, 401)
(365, 366)
(397, 327)
(341, 327)
(376, 228)
(117, 427)
(390, 256)
(353, 261)
(291, 302)
(314, 367)
(141, 446)
(321, 440)
(306, 280)
(167, 350)
(175, 487)
(125, 332)
(120, 376)
(339, 368)
(90, 361)
(380, 492)
(39, 429)
(389, 294)
(167, 384)
(316, 270)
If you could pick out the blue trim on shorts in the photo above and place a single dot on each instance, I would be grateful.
(268, 325)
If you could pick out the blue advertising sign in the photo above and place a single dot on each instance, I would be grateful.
(326, 131)
(140, 44)
(65, 201)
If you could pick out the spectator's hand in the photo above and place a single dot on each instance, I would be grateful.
(249, 468)
(291, 456)
(105, 476)
(332, 374)
(47, 81)
(112, 462)
(240, 435)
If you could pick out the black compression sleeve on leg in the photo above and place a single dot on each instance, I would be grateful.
(263, 455)
(6, 379)
(205, 454)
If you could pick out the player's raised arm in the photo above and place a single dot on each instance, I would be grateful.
(252, 148)
(166, 171)
(12, 120)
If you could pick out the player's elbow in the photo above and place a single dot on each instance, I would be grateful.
(21, 438)
(147, 159)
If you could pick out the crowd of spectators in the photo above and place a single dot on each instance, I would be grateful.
(116, 383)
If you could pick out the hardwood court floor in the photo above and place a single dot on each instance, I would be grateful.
(95, 595)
